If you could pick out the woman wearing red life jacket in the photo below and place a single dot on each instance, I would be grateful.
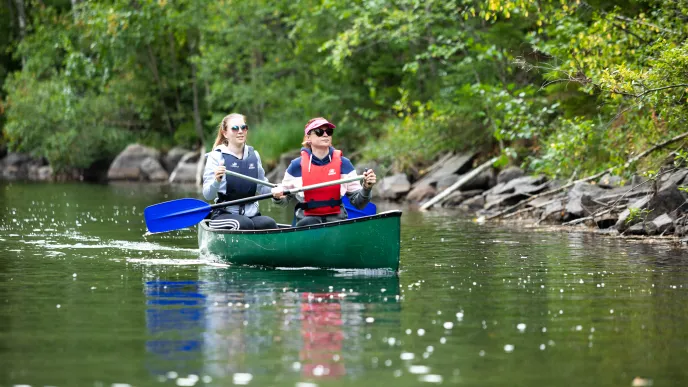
(320, 162)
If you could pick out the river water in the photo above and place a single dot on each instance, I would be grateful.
(87, 300)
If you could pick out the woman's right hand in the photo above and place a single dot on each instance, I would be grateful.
(278, 192)
(220, 172)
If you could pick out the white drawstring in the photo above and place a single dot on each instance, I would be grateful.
(310, 160)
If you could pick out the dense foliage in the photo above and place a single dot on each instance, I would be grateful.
(561, 87)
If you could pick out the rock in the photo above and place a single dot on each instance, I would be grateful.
(637, 229)
(393, 187)
(421, 193)
(152, 170)
(503, 200)
(667, 200)
(676, 177)
(473, 204)
(554, 211)
(443, 183)
(484, 180)
(610, 181)
(276, 175)
(574, 207)
(127, 165)
(45, 173)
(16, 159)
(530, 189)
(607, 220)
(3, 151)
(457, 197)
(185, 171)
(40, 173)
(20, 166)
(509, 174)
(659, 225)
(456, 164)
(171, 159)
(511, 186)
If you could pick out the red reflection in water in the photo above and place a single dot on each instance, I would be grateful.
(321, 322)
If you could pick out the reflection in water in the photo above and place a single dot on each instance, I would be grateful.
(245, 324)
(175, 315)
(321, 329)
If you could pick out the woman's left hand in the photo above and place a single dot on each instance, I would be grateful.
(369, 179)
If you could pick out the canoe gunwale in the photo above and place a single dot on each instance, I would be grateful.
(387, 214)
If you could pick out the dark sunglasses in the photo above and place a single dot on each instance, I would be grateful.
(243, 127)
(319, 132)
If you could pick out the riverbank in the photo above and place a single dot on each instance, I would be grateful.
(640, 206)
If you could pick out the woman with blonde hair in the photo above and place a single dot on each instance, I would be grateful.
(320, 162)
(230, 152)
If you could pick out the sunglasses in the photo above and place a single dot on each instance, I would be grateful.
(236, 128)
(319, 132)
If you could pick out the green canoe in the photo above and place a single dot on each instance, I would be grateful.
(369, 242)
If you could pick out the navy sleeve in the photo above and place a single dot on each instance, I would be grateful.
(294, 167)
(347, 167)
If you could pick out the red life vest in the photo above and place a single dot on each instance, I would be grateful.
(325, 200)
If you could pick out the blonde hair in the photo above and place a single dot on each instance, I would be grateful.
(221, 139)
(306, 143)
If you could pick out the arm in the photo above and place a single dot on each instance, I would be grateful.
(261, 189)
(210, 185)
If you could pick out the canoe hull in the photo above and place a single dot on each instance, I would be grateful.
(370, 242)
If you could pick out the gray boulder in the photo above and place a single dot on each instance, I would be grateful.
(456, 164)
(473, 204)
(574, 207)
(152, 170)
(659, 225)
(668, 199)
(276, 174)
(610, 181)
(421, 193)
(458, 197)
(171, 159)
(554, 211)
(127, 165)
(392, 187)
(509, 174)
(185, 171)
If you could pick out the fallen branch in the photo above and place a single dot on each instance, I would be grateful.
(595, 176)
(465, 179)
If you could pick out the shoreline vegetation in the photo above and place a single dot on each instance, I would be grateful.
(576, 111)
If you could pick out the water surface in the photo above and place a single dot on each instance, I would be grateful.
(87, 300)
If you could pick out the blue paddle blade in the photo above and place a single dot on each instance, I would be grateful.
(353, 212)
(175, 214)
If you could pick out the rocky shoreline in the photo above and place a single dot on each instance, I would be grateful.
(655, 207)
(640, 207)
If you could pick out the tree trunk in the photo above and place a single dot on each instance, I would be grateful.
(74, 11)
(173, 54)
(21, 19)
(198, 125)
(154, 68)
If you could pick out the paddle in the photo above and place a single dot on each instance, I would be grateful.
(351, 211)
(182, 213)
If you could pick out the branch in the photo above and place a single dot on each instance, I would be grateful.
(646, 92)
(629, 20)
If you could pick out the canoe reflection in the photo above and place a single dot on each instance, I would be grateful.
(175, 321)
(306, 323)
